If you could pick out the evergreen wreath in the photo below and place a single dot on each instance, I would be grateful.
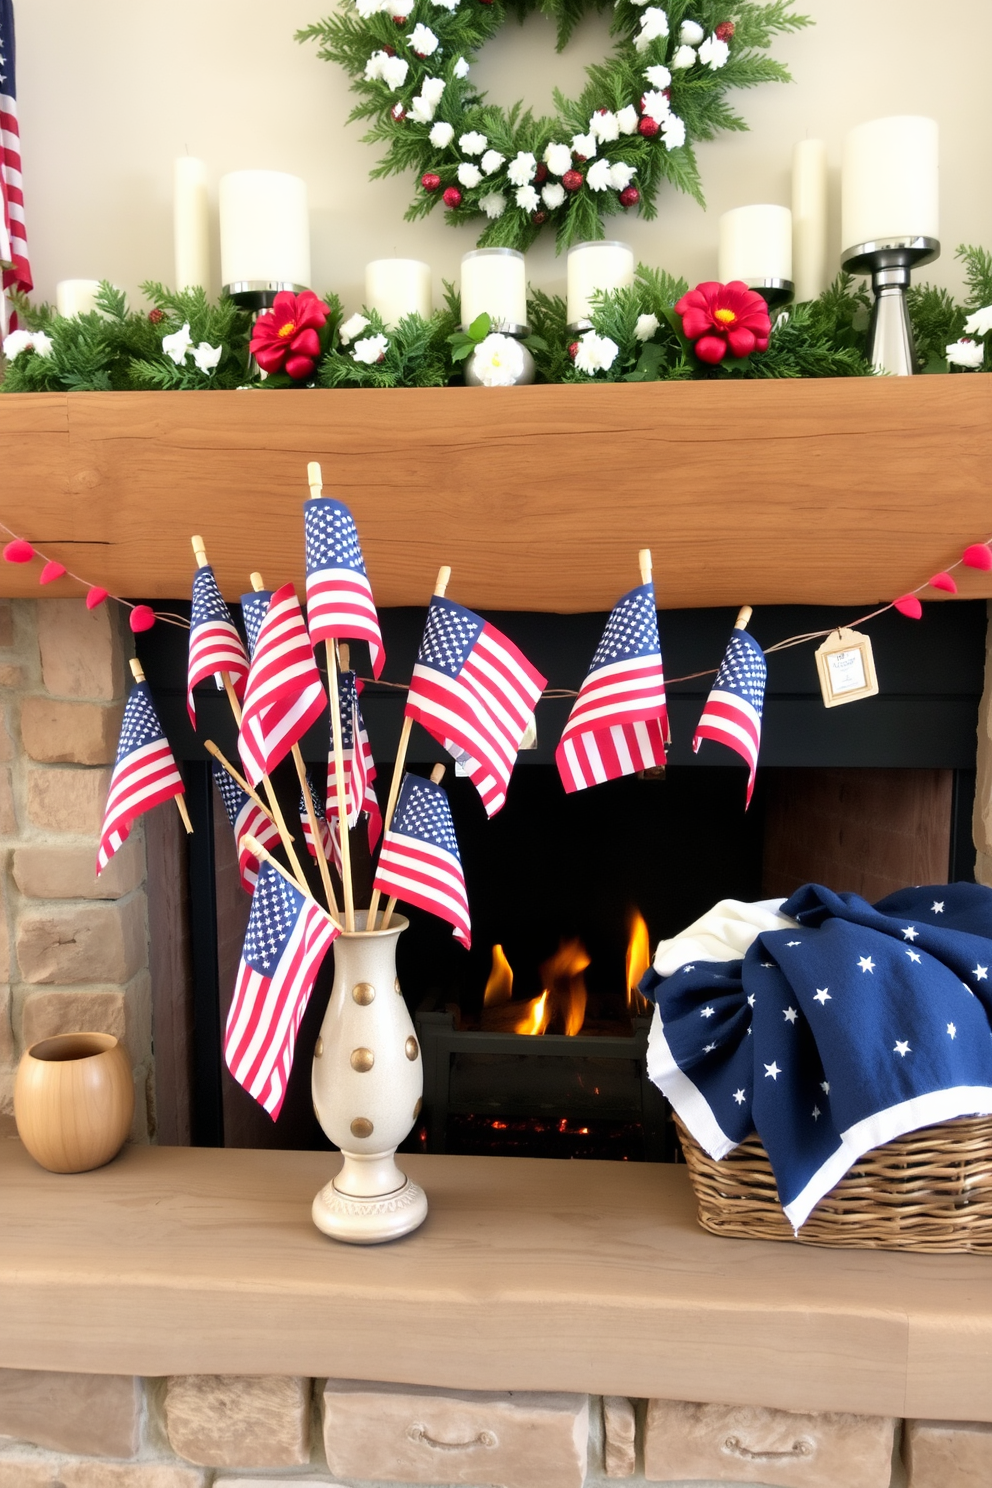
(663, 87)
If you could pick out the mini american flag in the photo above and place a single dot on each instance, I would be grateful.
(13, 233)
(328, 841)
(214, 644)
(144, 775)
(619, 721)
(287, 939)
(254, 608)
(475, 693)
(732, 715)
(339, 595)
(359, 766)
(284, 694)
(420, 862)
(245, 816)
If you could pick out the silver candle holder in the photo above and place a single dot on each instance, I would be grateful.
(259, 294)
(775, 292)
(890, 262)
(516, 333)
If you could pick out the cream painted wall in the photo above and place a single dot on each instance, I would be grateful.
(112, 90)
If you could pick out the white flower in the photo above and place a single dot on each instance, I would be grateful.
(656, 106)
(627, 119)
(598, 176)
(491, 162)
(691, 33)
(714, 52)
(451, 5)
(558, 159)
(468, 174)
(596, 353)
(673, 132)
(373, 67)
(965, 353)
(472, 143)
(980, 323)
(498, 360)
(621, 175)
(17, 342)
(493, 204)
(461, 68)
(431, 89)
(658, 76)
(441, 135)
(370, 350)
(637, 2)
(368, 8)
(527, 198)
(646, 327)
(394, 71)
(424, 106)
(604, 126)
(42, 344)
(584, 145)
(206, 356)
(423, 40)
(654, 25)
(352, 328)
(178, 344)
(553, 194)
(685, 56)
(521, 168)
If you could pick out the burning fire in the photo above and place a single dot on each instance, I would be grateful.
(499, 987)
(565, 985)
(638, 961)
(535, 1016)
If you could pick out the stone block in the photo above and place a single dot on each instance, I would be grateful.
(232, 1420)
(61, 800)
(619, 1436)
(46, 1014)
(93, 1413)
(948, 1454)
(81, 653)
(49, 872)
(7, 1051)
(399, 1433)
(28, 1472)
(8, 815)
(752, 1444)
(127, 1475)
(7, 750)
(57, 733)
(98, 942)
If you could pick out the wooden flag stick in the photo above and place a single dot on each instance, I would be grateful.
(137, 672)
(238, 779)
(443, 578)
(644, 559)
(437, 775)
(262, 853)
(745, 614)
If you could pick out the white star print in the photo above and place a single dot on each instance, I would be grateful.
(739, 1097)
(768, 965)
(914, 956)
(708, 1048)
(825, 1086)
(750, 1001)
(816, 1113)
(902, 1048)
(707, 1012)
(793, 942)
(865, 963)
(910, 933)
(790, 1014)
(750, 1029)
(937, 907)
(952, 1031)
(822, 996)
(981, 973)
(772, 1071)
(688, 968)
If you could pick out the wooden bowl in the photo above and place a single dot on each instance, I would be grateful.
(74, 1100)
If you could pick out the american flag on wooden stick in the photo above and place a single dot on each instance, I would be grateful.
(420, 862)
(144, 775)
(619, 721)
(254, 608)
(284, 694)
(339, 596)
(287, 938)
(328, 837)
(214, 644)
(732, 714)
(14, 260)
(359, 766)
(474, 691)
(245, 816)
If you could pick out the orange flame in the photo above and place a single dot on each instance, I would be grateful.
(499, 988)
(562, 977)
(638, 961)
(535, 1016)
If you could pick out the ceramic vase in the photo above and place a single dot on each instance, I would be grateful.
(74, 1100)
(368, 1084)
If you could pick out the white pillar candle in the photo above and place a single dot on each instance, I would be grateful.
(264, 228)
(76, 296)
(397, 287)
(190, 223)
(891, 181)
(756, 244)
(590, 267)
(494, 282)
(809, 219)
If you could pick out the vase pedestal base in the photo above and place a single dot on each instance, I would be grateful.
(372, 1218)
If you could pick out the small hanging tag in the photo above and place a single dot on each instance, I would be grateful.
(846, 667)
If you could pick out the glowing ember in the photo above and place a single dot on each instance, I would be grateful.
(534, 1016)
(565, 986)
(499, 987)
(638, 961)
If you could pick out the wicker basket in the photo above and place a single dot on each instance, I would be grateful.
(929, 1191)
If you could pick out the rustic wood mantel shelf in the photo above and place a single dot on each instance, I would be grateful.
(526, 1275)
(843, 491)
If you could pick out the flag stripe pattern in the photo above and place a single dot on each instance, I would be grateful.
(245, 817)
(214, 643)
(328, 837)
(619, 721)
(359, 766)
(475, 693)
(145, 773)
(732, 714)
(284, 694)
(14, 259)
(339, 595)
(420, 862)
(286, 941)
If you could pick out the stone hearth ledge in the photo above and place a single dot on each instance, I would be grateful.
(528, 1275)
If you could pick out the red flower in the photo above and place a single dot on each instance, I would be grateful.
(285, 338)
(721, 316)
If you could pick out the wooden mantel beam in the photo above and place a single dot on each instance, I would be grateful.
(844, 491)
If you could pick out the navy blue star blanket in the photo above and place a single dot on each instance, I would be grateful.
(857, 1026)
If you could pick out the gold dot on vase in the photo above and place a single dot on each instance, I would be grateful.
(363, 993)
(418, 1107)
(362, 1127)
(318, 1048)
(396, 987)
(411, 1048)
(362, 1060)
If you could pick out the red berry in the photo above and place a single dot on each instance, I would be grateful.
(430, 181)
(398, 111)
(400, 20)
(485, 2)
(629, 196)
(572, 180)
(539, 218)
(452, 197)
(648, 127)
(541, 173)
(156, 316)
(573, 350)
(725, 30)
(667, 93)
(389, 51)
(581, 159)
